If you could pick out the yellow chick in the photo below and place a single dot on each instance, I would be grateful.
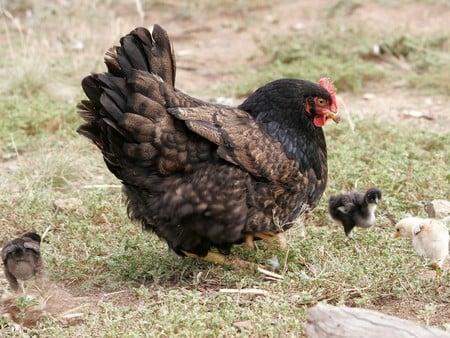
(430, 238)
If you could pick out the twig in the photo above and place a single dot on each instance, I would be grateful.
(346, 112)
(271, 274)
(114, 293)
(18, 26)
(257, 292)
(285, 260)
(140, 11)
(46, 232)
(101, 186)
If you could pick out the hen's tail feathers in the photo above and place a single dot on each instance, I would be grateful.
(126, 110)
(123, 123)
(126, 104)
(149, 51)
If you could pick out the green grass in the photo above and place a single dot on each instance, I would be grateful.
(97, 249)
(348, 56)
(27, 120)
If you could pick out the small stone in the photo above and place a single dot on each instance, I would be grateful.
(78, 45)
(376, 49)
(428, 101)
(243, 325)
(299, 26)
(438, 208)
(369, 96)
(67, 204)
(274, 263)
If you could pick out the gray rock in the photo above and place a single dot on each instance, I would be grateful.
(438, 208)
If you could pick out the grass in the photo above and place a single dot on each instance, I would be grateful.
(353, 57)
(312, 57)
(96, 250)
(135, 286)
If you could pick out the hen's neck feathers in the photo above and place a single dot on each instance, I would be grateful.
(279, 109)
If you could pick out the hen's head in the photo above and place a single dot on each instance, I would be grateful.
(293, 102)
(322, 105)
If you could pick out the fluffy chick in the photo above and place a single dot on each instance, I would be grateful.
(22, 259)
(430, 238)
(355, 209)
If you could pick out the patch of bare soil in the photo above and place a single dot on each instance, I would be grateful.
(413, 310)
(43, 299)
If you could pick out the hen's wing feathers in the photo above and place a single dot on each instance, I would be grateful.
(240, 141)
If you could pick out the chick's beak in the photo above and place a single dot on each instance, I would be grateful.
(396, 234)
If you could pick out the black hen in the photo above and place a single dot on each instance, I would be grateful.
(22, 259)
(355, 209)
(202, 175)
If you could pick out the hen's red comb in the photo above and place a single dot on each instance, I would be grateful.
(329, 86)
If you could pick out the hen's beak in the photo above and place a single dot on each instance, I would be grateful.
(332, 115)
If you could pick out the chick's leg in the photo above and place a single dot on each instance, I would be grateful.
(436, 267)
(13, 283)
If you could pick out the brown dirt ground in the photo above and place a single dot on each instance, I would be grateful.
(207, 44)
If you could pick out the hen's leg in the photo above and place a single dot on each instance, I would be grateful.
(212, 257)
(219, 259)
(268, 237)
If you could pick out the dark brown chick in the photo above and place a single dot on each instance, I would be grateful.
(22, 259)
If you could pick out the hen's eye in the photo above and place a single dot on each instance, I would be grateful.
(321, 101)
